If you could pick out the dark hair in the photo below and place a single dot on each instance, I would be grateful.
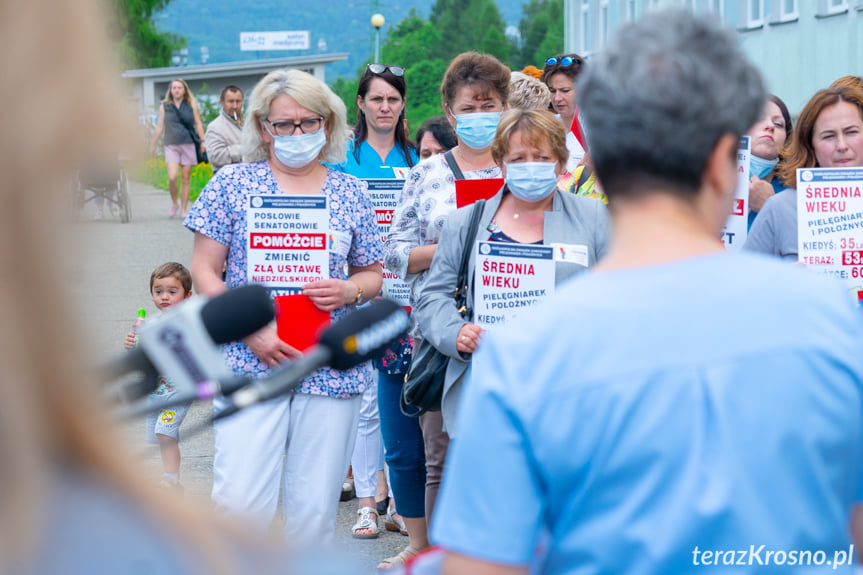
(442, 131)
(229, 88)
(361, 131)
(783, 109)
(173, 270)
(572, 71)
(475, 69)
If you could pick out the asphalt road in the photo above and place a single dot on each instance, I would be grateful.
(111, 283)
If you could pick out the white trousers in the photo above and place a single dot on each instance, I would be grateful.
(299, 442)
(368, 449)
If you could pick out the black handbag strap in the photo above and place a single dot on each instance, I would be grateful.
(450, 160)
(193, 132)
(463, 282)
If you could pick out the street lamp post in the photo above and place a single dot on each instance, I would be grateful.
(378, 23)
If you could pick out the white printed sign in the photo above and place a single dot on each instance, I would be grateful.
(510, 278)
(288, 40)
(385, 195)
(734, 233)
(830, 222)
(288, 241)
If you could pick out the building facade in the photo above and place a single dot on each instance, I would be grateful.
(800, 46)
(148, 86)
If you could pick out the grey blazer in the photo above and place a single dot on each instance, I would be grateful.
(573, 220)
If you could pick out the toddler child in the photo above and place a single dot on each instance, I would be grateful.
(170, 284)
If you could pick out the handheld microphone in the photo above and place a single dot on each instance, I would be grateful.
(203, 391)
(183, 344)
(362, 335)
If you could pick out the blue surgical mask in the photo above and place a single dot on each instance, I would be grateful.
(761, 167)
(299, 151)
(477, 130)
(531, 181)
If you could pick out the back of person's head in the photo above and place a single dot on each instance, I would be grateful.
(229, 88)
(849, 81)
(173, 270)
(474, 69)
(800, 152)
(442, 131)
(537, 127)
(659, 98)
(527, 92)
(308, 92)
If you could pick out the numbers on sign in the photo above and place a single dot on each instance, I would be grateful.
(852, 258)
(847, 244)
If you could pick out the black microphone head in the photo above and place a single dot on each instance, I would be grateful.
(365, 333)
(238, 313)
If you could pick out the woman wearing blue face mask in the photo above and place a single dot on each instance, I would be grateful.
(474, 90)
(768, 136)
(530, 147)
(302, 441)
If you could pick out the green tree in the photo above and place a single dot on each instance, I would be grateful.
(460, 21)
(493, 40)
(541, 29)
(139, 43)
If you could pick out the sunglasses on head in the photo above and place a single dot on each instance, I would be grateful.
(564, 62)
(381, 68)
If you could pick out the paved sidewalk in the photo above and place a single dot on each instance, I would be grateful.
(111, 283)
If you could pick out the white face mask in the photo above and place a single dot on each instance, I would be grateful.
(531, 181)
(299, 151)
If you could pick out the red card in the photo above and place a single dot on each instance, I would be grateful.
(469, 191)
(299, 322)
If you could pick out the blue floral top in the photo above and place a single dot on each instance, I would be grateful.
(220, 214)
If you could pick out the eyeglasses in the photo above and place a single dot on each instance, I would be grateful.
(564, 62)
(289, 128)
(381, 68)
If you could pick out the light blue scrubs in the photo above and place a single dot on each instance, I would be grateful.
(641, 417)
(370, 167)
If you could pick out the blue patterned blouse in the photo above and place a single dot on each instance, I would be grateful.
(220, 214)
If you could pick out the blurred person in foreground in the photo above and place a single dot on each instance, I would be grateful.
(643, 430)
(73, 499)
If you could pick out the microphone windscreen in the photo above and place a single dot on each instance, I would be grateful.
(365, 333)
(237, 313)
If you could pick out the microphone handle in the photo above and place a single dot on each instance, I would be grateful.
(279, 382)
(204, 390)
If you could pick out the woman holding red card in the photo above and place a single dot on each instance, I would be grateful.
(301, 442)
(474, 93)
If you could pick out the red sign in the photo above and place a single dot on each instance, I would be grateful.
(264, 241)
(469, 191)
